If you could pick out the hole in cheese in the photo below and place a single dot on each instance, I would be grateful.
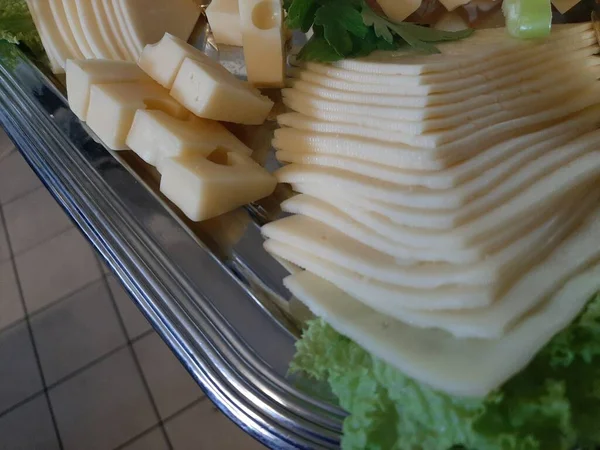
(265, 15)
(220, 157)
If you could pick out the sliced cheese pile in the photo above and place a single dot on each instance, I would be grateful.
(205, 170)
(108, 29)
(451, 197)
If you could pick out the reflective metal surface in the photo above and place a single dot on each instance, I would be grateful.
(210, 290)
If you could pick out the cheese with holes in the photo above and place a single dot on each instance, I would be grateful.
(156, 136)
(163, 60)
(113, 106)
(263, 41)
(208, 187)
(81, 75)
(224, 19)
(206, 92)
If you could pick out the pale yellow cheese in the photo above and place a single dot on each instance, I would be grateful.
(81, 75)
(76, 28)
(163, 60)
(112, 108)
(435, 358)
(147, 22)
(106, 32)
(398, 10)
(224, 19)
(91, 30)
(207, 187)
(115, 23)
(263, 41)
(204, 90)
(155, 136)
(125, 30)
(62, 25)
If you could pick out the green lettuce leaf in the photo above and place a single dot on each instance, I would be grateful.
(16, 25)
(554, 404)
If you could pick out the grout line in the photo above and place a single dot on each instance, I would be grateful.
(21, 403)
(135, 358)
(23, 194)
(138, 436)
(32, 339)
(48, 239)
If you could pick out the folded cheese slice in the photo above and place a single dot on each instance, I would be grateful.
(62, 25)
(89, 22)
(108, 35)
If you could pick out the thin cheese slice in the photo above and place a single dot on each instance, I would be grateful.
(390, 295)
(81, 75)
(155, 136)
(204, 188)
(62, 25)
(106, 32)
(207, 93)
(224, 19)
(498, 270)
(113, 106)
(148, 22)
(70, 8)
(125, 30)
(114, 22)
(263, 41)
(91, 30)
(434, 357)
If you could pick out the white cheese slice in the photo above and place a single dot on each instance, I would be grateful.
(373, 292)
(91, 30)
(115, 23)
(435, 358)
(52, 40)
(207, 93)
(540, 196)
(407, 63)
(459, 78)
(421, 120)
(81, 75)
(62, 25)
(155, 136)
(106, 32)
(163, 60)
(466, 137)
(399, 10)
(70, 8)
(224, 19)
(498, 270)
(263, 41)
(113, 106)
(208, 187)
(125, 30)
(148, 22)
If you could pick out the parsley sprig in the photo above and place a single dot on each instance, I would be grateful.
(350, 28)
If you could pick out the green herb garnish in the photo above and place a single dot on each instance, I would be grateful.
(350, 28)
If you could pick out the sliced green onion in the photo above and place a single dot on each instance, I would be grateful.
(528, 19)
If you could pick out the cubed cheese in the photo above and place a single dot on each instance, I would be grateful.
(155, 136)
(81, 75)
(208, 187)
(224, 19)
(263, 40)
(163, 60)
(205, 91)
(113, 106)
(398, 10)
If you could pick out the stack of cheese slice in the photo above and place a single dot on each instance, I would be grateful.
(205, 170)
(108, 29)
(448, 204)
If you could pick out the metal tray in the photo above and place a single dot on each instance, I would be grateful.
(210, 290)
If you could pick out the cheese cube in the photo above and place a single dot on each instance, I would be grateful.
(263, 40)
(156, 136)
(224, 19)
(204, 188)
(163, 60)
(205, 91)
(81, 75)
(113, 107)
(399, 10)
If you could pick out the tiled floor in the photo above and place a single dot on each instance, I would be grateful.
(80, 368)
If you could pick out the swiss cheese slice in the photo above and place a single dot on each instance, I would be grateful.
(435, 358)
(155, 136)
(112, 108)
(81, 75)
